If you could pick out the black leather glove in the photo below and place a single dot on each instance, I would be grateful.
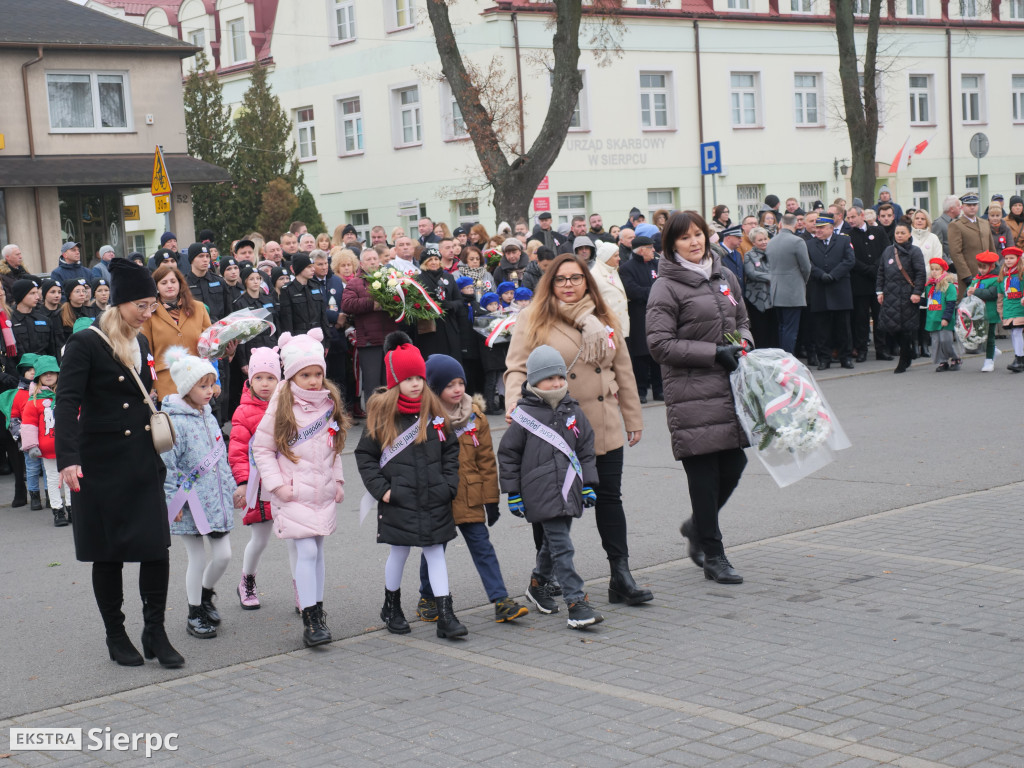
(728, 356)
(827, 278)
(493, 513)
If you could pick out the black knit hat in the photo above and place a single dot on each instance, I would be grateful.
(195, 249)
(246, 271)
(69, 285)
(276, 274)
(129, 282)
(299, 262)
(21, 289)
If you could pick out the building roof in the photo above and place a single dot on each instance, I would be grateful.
(142, 7)
(103, 170)
(64, 24)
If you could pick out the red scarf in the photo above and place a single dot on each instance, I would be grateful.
(8, 334)
(407, 405)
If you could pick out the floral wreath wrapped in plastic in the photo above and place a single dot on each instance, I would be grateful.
(970, 325)
(785, 415)
(401, 296)
(498, 329)
(241, 326)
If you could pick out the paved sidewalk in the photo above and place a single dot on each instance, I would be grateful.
(891, 639)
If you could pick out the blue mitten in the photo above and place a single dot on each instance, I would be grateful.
(589, 497)
(515, 505)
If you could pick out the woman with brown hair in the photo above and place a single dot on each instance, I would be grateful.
(569, 314)
(177, 322)
(478, 236)
(77, 305)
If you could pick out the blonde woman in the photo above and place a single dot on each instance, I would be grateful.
(118, 505)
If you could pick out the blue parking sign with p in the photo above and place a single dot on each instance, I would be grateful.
(710, 158)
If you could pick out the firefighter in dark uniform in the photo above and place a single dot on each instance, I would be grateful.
(302, 306)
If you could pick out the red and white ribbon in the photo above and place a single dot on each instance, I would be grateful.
(408, 281)
(500, 328)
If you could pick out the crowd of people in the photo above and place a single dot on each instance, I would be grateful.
(596, 321)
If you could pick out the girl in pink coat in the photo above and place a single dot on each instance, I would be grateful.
(297, 450)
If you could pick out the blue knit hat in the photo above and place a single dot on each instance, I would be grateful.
(463, 282)
(523, 294)
(489, 298)
(506, 286)
(442, 370)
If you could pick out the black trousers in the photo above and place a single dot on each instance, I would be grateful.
(609, 512)
(831, 330)
(371, 367)
(648, 375)
(763, 327)
(712, 477)
(336, 370)
(865, 318)
(108, 588)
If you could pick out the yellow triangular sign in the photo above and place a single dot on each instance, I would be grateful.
(161, 181)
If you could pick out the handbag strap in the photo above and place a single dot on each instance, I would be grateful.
(899, 264)
(131, 369)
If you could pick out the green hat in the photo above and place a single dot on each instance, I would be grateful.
(82, 323)
(46, 364)
(28, 360)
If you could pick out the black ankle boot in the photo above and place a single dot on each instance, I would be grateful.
(20, 495)
(447, 623)
(718, 568)
(122, 651)
(322, 616)
(198, 623)
(693, 548)
(313, 633)
(35, 504)
(622, 588)
(391, 614)
(59, 518)
(212, 615)
(155, 644)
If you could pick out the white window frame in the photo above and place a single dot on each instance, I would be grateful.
(1018, 179)
(861, 7)
(349, 8)
(453, 124)
(917, 5)
(467, 211)
(737, 5)
(1016, 12)
(342, 119)
(915, 96)
(581, 115)
(756, 90)
(879, 95)
(655, 205)
(363, 227)
(136, 242)
(818, 91)
(305, 133)
(1017, 97)
(972, 187)
(968, 9)
(565, 214)
(231, 41)
(94, 76)
(807, 196)
(801, 7)
(965, 99)
(750, 205)
(922, 198)
(398, 110)
(401, 14)
(652, 92)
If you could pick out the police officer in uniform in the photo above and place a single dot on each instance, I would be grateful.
(33, 331)
(302, 304)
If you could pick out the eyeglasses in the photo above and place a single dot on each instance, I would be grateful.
(146, 308)
(576, 279)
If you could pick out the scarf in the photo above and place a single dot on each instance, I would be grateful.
(550, 396)
(704, 266)
(9, 344)
(408, 405)
(482, 281)
(458, 415)
(595, 337)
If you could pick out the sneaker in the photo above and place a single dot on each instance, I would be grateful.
(247, 592)
(582, 615)
(989, 366)
(540, 595)
(506, 609)
(426, 609)
(554, 588)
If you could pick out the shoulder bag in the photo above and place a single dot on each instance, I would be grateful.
(160, 427)
(899, 266)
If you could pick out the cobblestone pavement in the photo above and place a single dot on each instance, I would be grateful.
(890, 639)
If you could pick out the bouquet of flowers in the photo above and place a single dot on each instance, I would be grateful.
(498, 328)
(785, 415)
(401, 296)
(493, 256)
(241, 326)
(971, 326)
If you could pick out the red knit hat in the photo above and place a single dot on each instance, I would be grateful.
(987, 257)
(1013, 251)
(401, 359)
(940, 263)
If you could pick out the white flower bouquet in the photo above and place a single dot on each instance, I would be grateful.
(785, 415)
(401, 296)
(970, 324)
(241, 326)
(499, 329)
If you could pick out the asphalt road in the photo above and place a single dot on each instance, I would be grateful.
(916, 437)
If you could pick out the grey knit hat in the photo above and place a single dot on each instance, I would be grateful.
(543, 362)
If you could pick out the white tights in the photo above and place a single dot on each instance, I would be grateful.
(437, 568)
(1017, 337)
(309, 570)
(200, 573)
(260, 535)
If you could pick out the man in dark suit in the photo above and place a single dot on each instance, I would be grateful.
(869, 243)
(829, 293)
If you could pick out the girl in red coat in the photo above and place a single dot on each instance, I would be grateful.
(264, 374)
(37, 429)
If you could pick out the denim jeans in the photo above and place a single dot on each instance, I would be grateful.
(33, 469)
(478, 541)
(554, 559)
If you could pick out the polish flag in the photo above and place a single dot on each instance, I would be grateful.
(902, 159)
(923, 145)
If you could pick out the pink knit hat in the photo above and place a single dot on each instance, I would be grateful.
(264, 360)
(298, 352)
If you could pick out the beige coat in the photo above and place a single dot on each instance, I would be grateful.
(163, 333)
(606, 392)
(610, 285)
(478, 474)
(966, 240)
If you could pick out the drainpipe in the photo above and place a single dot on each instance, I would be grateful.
(32, 150)
(519, 84)
(949, 106)
(700, 113)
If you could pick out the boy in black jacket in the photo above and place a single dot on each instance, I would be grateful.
(548, 468)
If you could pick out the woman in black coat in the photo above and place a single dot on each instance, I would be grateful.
(900, 283)
(105, 454)
(440, 286)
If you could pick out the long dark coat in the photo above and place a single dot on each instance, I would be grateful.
(447, 339)
(897, 314)
(868, 247)
(120, 514)
(836, 260)
(637, 278)
(423, 480)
